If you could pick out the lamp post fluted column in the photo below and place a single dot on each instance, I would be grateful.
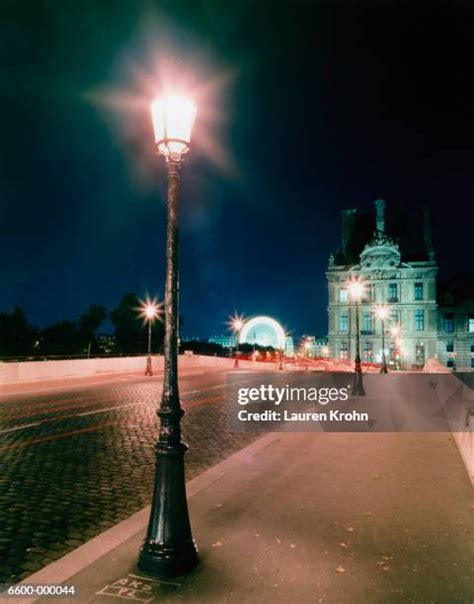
(383, 365)
(149, 370)
(169, 549)
(280, 359)
(237, 338)
(358, 388)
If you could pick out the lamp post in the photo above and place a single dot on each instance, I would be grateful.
(356, 290)
(382, 313)
(395, 332)
(149, 311)
(307, 346)
(169, 548)
(236, 324)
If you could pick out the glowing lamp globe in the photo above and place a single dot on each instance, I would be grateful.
(381, 312)
(150, 311)
(356, 290)
(237, 324)
(173, 120)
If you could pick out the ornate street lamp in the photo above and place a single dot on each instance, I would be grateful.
(169, 548)
(236, 323)
(395, 333)
(382, 313)
(149, 311)
(356, 290)
(307, 347)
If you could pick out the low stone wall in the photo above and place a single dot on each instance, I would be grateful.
(31, 371)
(459, 411)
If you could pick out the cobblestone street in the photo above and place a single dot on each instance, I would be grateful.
(78, 460)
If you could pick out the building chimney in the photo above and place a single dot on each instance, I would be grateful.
(380, 209)
(348, 220)
(427, 233)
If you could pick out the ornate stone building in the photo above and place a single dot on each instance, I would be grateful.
(397, 266)
(456, 324)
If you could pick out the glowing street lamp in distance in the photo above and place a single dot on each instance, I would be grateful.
(395, 331)
(150, 311)
(381, 312)
(236, 323)
(356, 289)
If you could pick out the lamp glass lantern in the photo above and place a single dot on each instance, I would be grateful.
(173, 120)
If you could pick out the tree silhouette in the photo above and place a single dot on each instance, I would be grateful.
(128, 325)
(18, 337)
(89, 323)
(60, 339)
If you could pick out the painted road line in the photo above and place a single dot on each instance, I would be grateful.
(20, 427)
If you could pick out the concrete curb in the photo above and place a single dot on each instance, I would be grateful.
(61, 570)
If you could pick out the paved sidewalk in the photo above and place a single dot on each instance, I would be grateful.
(307, 517)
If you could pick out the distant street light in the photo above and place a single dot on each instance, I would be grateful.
(169, 548)
(356, 290)
(149, 310)
(382, 313)
(236, 324)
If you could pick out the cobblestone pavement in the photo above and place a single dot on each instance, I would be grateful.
(74, 462)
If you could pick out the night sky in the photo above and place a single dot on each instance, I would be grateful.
(304, 108)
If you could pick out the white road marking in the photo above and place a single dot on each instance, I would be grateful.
(20, 427)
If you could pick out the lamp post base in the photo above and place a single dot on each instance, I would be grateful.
(166, 563)
(383, 369)
(358, 387)
(169, 549)
(148, 370)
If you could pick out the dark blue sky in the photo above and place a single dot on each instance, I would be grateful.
(325, 106)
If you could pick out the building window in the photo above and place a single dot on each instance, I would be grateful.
(367, 323)
(369, 293)
(419, 320)
(344, 352)
(418, 291)
(471, 323)
(449, 322)
(472, 362)
(394, 317)
(450, 346)
(472, 346)
(343, 294)
(420, 354)
(392, 292)
(344, 321)
(450, 363)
